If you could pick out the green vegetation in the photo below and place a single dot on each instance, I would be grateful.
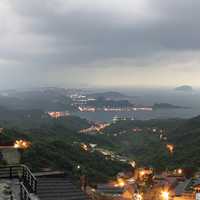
(60, 155)
(167, 124)
(47, 100)
(56, 144)
(187, 139)
(148, 149)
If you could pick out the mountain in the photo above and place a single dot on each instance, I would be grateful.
(10, 115)
(167, 106)
(109, 95)
(186, 130)
(184, 88)
(186, 139)
(57, 145)
(46, 99)
(102, 102)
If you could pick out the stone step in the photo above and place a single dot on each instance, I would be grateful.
(62, 198)
(68, 187)
(72, 193)
(49, 180)
(58, 194)
(61, 188)
(56, 185)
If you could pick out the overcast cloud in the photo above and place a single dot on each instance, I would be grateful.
(99, 43)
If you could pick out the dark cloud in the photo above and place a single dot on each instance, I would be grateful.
(57, 35)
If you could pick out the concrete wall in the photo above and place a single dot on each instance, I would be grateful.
(10, 155)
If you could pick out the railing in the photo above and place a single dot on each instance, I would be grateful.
(12, 171)
(29, 180)
(11, 197)
(24, 193)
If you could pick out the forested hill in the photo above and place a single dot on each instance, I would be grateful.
(10, 114)
(189, 129)
(46, 99)
(187, 143)
(58, 147)
(138, 140)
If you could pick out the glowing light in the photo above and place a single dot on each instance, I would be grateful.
(165, 195)
(170, 148)
(180, 171)
(21, 144)
(142, 173)
(58, 114)
(132, 163)
(120, 183)
(138, 197)
(127, 194)
(84, 147)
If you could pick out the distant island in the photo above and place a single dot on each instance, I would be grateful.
(184, 88)
(110, 95)
(102, 102)
(167, 106)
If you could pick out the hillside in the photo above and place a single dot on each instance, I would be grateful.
(10, 115)
(187, 129)
(138, 140)
(59, 140)
(46, 99)
(101, 102)
(167, 106)
(109, 95)
(187, 139)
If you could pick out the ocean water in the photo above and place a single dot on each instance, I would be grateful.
(139, 115)
(148, 97)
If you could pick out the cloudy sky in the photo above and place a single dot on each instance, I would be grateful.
(87, 43)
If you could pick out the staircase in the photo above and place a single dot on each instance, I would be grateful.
(58, 188)
(46, 186)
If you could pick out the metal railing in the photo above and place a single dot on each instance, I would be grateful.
(11, 197)
(29, 180)
(24, 193)
(12, 171)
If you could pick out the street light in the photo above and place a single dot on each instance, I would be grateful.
(180, 171)
(78, 166)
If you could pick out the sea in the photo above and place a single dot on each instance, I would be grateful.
(148, 97)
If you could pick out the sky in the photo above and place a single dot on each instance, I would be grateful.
(99, 43)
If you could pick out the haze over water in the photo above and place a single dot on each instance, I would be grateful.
(148, 97)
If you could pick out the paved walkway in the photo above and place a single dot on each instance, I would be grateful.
(6, 186)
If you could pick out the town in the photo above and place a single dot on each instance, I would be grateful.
(99, 100)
